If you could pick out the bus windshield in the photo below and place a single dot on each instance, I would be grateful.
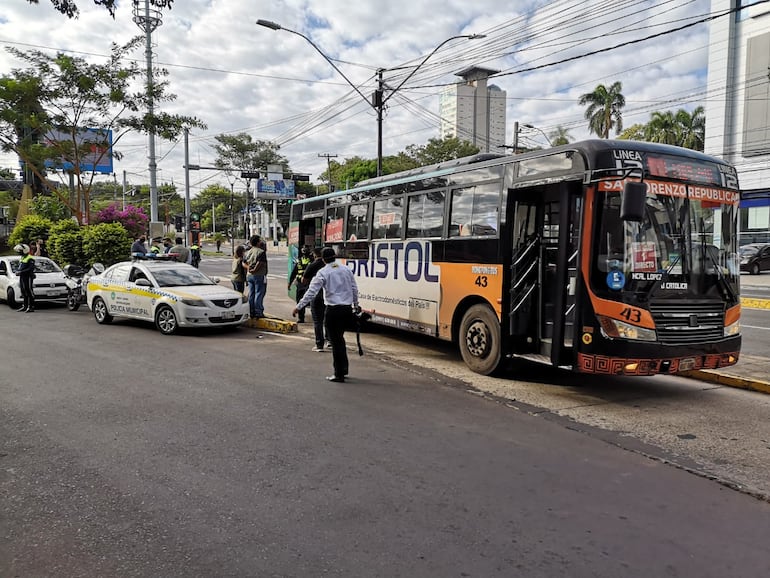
(683, 244)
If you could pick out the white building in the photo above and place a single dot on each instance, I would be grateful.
(474, 111)
(738, 106)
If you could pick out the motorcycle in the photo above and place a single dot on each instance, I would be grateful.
(77, 281)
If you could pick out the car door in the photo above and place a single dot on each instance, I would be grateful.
(4, 276)
(764, 261)
(142, 294)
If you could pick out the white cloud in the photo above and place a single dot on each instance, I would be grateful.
(237, 76)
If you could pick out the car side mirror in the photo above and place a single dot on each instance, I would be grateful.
(143, 283)
(633, 202)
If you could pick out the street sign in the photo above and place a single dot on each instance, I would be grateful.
(249, 175)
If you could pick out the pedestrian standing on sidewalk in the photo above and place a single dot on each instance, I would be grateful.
(340, 296)
(256, 260)
(238, 272)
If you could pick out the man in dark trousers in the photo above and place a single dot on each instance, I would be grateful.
(340, 296)
(26, 273)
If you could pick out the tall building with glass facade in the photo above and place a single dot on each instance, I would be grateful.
(474, 110)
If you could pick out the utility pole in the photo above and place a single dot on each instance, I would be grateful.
(516, 137)
(329, 165)
(148, 22)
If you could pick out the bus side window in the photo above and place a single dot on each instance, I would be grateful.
(425, 215)
(358, 221)
(387, 219)
(474, 211)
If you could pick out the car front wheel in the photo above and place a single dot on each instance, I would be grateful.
(10, 298)
(755, 269)
(101, 314)
(165, 320)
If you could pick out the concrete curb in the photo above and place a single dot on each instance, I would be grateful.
(729, 380)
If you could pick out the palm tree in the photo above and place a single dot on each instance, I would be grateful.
(560, 136)
(693, 128)
(604, 109)
(663, 128)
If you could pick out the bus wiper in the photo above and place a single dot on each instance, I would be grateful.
(721, 275)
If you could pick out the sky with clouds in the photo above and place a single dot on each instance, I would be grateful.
(237, 77)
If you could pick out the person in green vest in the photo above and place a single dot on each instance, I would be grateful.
(195, 254)
(26, 273)
(297, 273)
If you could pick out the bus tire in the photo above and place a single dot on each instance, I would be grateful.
(480, 340)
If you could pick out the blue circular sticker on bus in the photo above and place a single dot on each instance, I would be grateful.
(616, 279)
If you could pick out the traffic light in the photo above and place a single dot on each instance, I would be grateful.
(178, 222)
(195, 222)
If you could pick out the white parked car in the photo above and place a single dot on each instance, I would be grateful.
(171, 295)
(50, 283)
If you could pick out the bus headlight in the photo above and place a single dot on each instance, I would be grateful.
(619, 330)
(732, 329)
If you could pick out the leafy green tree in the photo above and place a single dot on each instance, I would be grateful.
(49, 207)
(65, 243)
(240, 151)
(355, 169)
(8, 174)
(633, 132)
(70, 8)
(604, 112)
(75, 95)
(29, 228)
(440, 150)
(106, 243)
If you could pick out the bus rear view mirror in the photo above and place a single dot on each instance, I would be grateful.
(633, 202)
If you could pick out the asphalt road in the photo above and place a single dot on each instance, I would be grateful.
(127, 453)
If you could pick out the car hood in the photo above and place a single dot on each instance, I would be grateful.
(49, 277)
(208, 292)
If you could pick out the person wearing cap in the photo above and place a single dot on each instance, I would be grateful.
(167, 244)
(26, 273)
(341, 297)
(155, 247)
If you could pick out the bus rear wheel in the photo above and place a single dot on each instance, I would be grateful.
(480, 339)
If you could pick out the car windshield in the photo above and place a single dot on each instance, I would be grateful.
(42, 265)
(748, 250)
(180, 277)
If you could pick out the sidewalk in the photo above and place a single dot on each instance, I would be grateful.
(751, 372)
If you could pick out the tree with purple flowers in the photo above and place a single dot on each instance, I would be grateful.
(133, 219)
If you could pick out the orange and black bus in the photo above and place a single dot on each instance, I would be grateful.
(603, 256)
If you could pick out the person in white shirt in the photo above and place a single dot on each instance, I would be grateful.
(341, 297)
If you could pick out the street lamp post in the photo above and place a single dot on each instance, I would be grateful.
(540, 130)
(378, 100)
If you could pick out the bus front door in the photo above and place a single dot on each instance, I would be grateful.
(544, 272)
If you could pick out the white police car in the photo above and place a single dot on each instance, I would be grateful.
(50, 283)
(170, 294)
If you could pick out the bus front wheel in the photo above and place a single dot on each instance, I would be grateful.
(480, 339)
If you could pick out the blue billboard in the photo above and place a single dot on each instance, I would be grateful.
(278, 189)
(97, 158)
